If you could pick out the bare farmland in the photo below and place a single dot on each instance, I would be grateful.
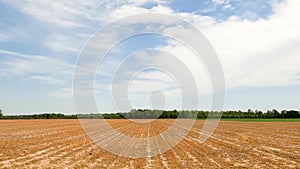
(63, 143)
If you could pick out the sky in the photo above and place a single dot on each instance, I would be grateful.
(257, 43)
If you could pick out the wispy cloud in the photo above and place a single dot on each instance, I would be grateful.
(56, 12)
(4, 37)
(62, 93)
(36, 67)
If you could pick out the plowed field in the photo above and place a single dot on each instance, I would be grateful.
(234, 144)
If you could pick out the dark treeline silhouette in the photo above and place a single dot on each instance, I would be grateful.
(39, 116)
(164, 114)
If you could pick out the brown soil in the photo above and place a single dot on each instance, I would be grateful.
(63, 143)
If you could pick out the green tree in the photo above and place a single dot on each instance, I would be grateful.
(1, 114)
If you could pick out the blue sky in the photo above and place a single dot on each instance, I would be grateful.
(257, 43)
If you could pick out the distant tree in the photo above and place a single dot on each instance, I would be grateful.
(156, 114)
(292, 114)
(259, 114)
(276, 113)
(1, 114)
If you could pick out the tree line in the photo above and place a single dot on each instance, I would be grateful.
(169, 114)
(38, 116)
(164, 114)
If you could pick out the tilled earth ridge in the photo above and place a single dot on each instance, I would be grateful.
(64, 144)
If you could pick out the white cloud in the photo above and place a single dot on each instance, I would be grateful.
(63, 93)
(4, 37)
(228, 7)
(36, 67)
(253, 53)
(262, 52)
(219, 1)
(151, 81)
(63, 23)
(63, 43)
(77, 13)
(191, 61)
(54, 12)
(48, 79)
(224, 3)
(128, 10)
(11, 33)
